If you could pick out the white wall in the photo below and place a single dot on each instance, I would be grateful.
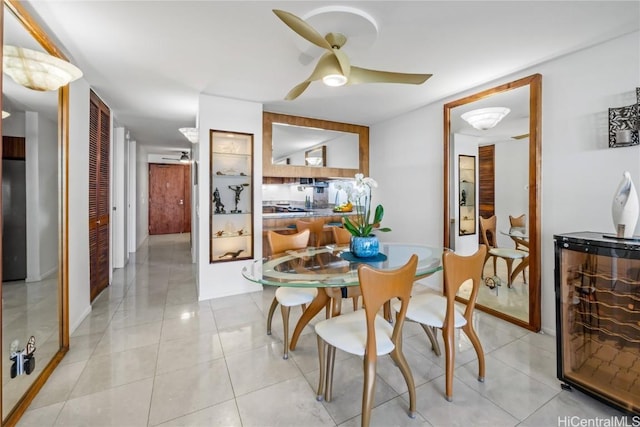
(131, 197)
(579, 171)
(223, 114)
(79, 289)
(120, 153)
(142, 195)
(41, 140)
(511, 184)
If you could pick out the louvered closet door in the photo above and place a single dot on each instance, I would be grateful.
(99, 136)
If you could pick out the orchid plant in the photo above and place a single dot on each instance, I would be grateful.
(360, 224)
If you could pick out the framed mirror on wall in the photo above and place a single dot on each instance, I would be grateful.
(298, 147)
(34, 246)
(500, 127)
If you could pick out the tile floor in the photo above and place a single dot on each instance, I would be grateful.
(150, 354)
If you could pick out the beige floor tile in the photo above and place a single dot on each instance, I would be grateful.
(266, 407)
(197, 386)
(127, 405)
(221, 415)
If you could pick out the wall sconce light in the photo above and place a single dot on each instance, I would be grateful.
(191, 134)
(485, 118)
(37, 70)
(184, 158)
(5, 114)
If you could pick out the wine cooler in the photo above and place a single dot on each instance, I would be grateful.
(597, 284)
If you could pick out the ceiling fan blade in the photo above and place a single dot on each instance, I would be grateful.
(297, 91)
(302, 28)
(363, 75)
(343, 60)
(327, 64)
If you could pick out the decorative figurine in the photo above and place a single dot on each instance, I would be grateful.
(219, 233)
(238, 189)
(232, 254)
(218, 202)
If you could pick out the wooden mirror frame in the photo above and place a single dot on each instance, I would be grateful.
(38, 33)
(271, 170)
(535, 166)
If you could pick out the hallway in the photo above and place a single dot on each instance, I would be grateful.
(150, 354)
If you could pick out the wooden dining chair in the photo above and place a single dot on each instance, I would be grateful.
(365, 333)
(489, 238)
(435, 311)
(521, 243)
(315, 227)
(288, 297)
(341, 236)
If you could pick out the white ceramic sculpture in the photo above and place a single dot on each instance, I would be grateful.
(624, 208)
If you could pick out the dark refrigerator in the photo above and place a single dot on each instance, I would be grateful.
(14, 220)
(597, 285)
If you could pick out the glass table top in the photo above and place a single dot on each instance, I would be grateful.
(328, 266)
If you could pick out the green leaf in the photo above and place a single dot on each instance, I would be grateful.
(350, 227)
(379, 214)
(385, 229)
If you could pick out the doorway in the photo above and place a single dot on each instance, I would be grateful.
(169, 198)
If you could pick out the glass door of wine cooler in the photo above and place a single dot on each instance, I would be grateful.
(598, 317)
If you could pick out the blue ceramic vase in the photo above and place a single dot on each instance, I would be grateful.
(364, 247)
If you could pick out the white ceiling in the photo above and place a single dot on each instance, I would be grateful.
(150, 60)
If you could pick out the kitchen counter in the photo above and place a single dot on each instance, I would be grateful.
(312, 213)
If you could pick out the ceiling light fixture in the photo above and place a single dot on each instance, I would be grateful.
(334, 80)
(37, 70)
(191, 134)
(485, 118)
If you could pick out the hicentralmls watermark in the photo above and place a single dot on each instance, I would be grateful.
(618, 421)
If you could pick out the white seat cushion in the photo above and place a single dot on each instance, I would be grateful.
(290, 297)
(430, 309)
(507, 253)
(348, 332)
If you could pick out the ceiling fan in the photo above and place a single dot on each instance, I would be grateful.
(184, 158)
(334, 67)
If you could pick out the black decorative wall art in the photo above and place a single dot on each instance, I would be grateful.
(624, 123)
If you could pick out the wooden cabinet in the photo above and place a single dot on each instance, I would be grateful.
(231, 221)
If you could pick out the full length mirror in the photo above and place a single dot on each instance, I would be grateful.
(501, 128)
(304, 147)
(33, 247)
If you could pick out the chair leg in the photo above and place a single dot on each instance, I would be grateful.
(449, 349)
(331, 357)
(473, 337)
(398, 357)
(509, 262)
(432, 337)
(285, 326)
(355, 303)
(322, 349)
(494, 266)
(272, 309)
(369, 388)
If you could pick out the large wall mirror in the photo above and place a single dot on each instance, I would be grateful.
(34, 262)
(304, 147)
(507, 187)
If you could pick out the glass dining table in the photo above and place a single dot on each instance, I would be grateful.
(332, 269)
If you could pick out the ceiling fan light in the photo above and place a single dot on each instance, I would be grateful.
(334, 80)
(191, 134)
(485, 118)
(37, 70)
